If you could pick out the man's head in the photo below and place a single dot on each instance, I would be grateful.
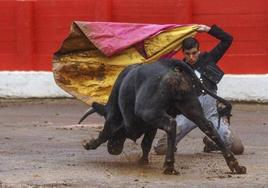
(190, 50)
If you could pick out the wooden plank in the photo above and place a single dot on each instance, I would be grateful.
(8, 47)
(43, 62)
(243, 33)
(153, 11)
(47, 48)
(59, 21)
(230, 7)
(234, 20)
(245, 64)
(243, 47)
(60, 7)
(7, 34)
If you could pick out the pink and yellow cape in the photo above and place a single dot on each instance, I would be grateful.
(94, 53)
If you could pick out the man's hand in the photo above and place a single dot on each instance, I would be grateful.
(203, 28)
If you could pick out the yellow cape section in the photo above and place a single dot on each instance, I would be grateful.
(83, 71)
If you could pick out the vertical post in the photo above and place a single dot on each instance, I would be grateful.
(183, 12)
(25, 33)
(103, 10)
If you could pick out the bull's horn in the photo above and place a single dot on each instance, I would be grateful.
(87, 113)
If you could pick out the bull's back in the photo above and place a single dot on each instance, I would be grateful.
(143, 78)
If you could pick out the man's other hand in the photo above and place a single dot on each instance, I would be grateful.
(203, 28)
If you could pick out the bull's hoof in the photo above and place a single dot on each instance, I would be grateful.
(143, 161)
(236, 168)
(114, 151)
(241, 170)
(92, 144)
(171, 171)
(115, 147)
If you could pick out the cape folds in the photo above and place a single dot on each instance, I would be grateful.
(94, 53)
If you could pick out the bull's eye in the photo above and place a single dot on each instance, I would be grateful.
(177, 69)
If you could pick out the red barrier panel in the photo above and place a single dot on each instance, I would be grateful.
(25, 34)
(31, 30)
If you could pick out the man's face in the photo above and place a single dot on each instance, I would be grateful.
(191, 55)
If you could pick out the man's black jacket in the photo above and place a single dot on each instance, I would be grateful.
(211, 74)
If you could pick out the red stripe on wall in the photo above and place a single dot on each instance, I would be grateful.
(31, 31)
(245, 64)
(238, 7)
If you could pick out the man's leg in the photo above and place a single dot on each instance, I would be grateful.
(229, 137)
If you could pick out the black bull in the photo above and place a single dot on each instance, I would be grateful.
(147, 97)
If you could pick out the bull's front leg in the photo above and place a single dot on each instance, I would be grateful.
(160, 119)
(116, 142)
(171, 136)
(230, 159)
(95, 143)
(193, 111)
(146, 145)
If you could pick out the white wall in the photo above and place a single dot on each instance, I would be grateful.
(17, 84)
(244, 87)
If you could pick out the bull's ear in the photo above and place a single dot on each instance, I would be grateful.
(177, 69)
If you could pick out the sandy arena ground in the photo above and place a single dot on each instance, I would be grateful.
(40, 146)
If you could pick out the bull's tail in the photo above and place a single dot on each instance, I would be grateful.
(96, 107)
(87, 113)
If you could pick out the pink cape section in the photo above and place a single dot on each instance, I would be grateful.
(112, 38)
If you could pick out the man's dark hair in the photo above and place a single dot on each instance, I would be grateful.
(190, 43)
